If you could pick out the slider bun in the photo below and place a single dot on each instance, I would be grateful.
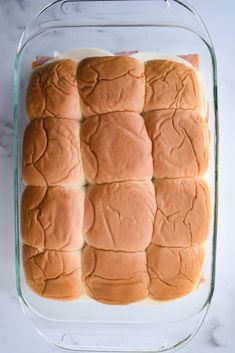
(180, 143)
(183, 213)
(116, 147)
(120, 216)
(170, 84)
(174, 272)
(53, 92)
(51, 153)
(111, 83)
(48, 220)
(53, 274)
(114, 277)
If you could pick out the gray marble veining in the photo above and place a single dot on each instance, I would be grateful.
(5, 138)
(215, 334)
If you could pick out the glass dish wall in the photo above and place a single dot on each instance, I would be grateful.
(168, 27)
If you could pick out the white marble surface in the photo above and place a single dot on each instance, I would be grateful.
(218, 331)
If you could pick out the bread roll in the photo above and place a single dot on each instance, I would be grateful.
(174, 272)
(170, 84)
(120, 216)
(183, 213)
(116, 147)
(52, 218)
(180, 143)
(109, 84)
(51, 153)
(52, 91)
(53, 274)
(115, 277)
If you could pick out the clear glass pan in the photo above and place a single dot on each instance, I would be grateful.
(170, 27)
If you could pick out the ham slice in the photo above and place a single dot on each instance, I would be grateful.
(193, 59)
(40, 59)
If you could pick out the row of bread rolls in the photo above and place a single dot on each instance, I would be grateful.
(118, 228)
(113, 92)
(120, 205)
(51, 233)
(176, 121)
(176, 231)
(120, 151)
(124, 83)
(52, 205)
(174, 260)
(181, 149)
(176, 254)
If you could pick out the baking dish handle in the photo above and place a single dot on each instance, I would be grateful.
(85, 13)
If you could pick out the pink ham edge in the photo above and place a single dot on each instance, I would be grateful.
(191, 58)
(40, 60)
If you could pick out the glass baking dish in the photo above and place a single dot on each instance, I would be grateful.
(170, 27)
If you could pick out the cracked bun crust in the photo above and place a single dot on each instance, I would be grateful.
(116, 147)
(53, 91)
(120, 216)
(112, 83)
(180, 143)
(183, 213)
(115, 277)
(173, 85)
(51, 153)
(53, 274)
(48, 220)
(139, 132)
(174, 272)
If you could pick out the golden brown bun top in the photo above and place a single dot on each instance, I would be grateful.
(51, 153)
(183, 212)
(53, 91)
(53, 274)
(49, 220)
(120, 216)
(116, 147)
(181, 143)
(108, 84)
(174, 272)
(123, 215)
(115, 277)
(174, 85)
